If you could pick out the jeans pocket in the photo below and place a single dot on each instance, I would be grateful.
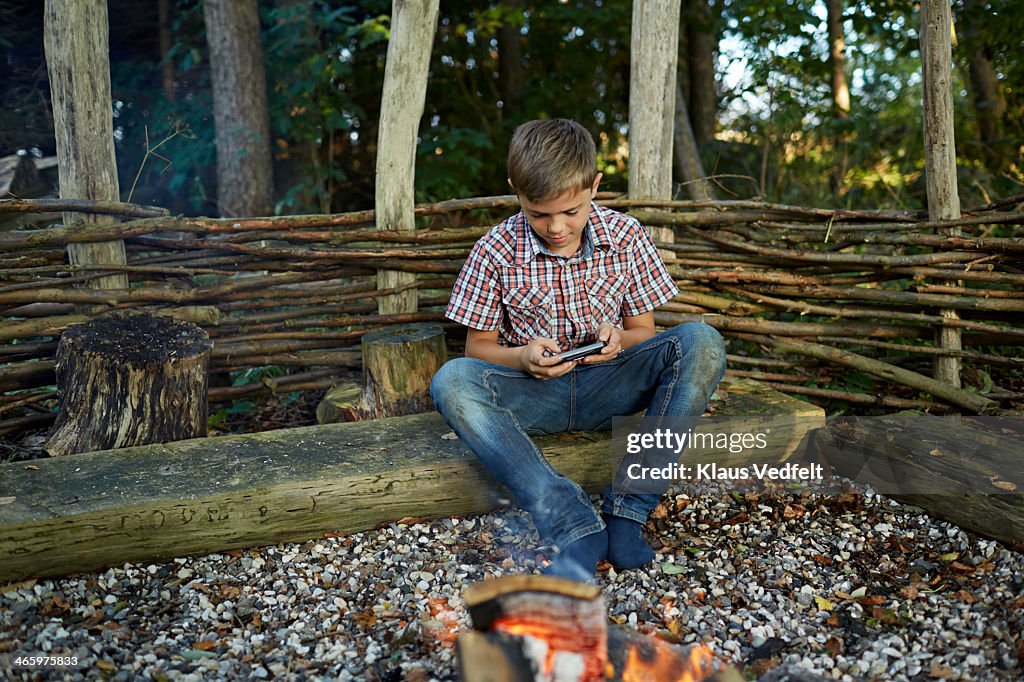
(529, 313)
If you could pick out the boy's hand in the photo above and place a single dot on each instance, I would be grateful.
(537, 359)
(613, 338)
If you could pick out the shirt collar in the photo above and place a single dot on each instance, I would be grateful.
(597, 234)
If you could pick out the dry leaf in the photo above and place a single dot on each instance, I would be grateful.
(7, 500)
(909, 592)
(1003, 485)
(834, 646)
(964, 595)
(794, 511)
(823, 604)
(941, 672)
(230, 591)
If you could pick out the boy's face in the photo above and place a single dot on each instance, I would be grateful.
(559, 221)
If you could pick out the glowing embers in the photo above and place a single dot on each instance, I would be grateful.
(531, 628)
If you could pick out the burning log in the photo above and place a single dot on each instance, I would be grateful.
(531, 628)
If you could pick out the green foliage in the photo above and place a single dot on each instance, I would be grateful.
(783, 101)
(257, 374)
(575, 64)
(325, 66)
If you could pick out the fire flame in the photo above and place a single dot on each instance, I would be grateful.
(592, 647)
(666, 666)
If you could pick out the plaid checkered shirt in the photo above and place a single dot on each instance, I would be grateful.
(513, 284)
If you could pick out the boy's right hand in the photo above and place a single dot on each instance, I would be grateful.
(537, 359)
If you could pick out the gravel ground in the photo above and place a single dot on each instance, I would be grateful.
(848, 584)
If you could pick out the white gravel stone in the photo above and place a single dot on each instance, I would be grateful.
(386, 603)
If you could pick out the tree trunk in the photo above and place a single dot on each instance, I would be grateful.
(840, 90)
(940, 154)
(510, 64)
(652, 96)
(688, 163)
(989, 105)
(700, 50)
(413, 23)
(244, 183)
(75, 36)
(302, 168)
(163, 8)
(129, 380)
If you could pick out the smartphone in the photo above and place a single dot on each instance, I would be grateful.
(581, 352)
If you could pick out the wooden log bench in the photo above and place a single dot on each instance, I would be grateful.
(967, 470)
(155, 502)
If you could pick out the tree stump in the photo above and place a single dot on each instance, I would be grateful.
(130, 380)
(398, 364)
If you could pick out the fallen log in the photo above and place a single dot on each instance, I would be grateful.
(966, 470)
(156, 502)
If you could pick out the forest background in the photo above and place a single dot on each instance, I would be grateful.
(808, 102)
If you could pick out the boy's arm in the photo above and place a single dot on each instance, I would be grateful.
(483, 345)
(635, 329)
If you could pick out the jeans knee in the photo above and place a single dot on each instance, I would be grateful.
(703, 341)
(455, 378)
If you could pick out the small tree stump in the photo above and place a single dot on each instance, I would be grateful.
(130, 380)
(398, 364)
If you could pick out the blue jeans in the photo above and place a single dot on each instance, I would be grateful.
(495, 410)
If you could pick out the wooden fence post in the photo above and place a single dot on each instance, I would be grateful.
(413, 24)
(654, 53)
(75, 38)
(940, 154)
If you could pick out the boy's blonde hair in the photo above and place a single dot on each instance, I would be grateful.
(548, 158)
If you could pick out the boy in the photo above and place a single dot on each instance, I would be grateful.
(561, 273)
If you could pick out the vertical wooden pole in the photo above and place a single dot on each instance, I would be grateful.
(413, 23)
(940, 151)
(75, 37)
(654, 52)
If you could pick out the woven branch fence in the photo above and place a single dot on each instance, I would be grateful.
(818, 303)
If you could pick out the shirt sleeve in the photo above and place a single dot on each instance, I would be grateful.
(476, 296)
(651, 285)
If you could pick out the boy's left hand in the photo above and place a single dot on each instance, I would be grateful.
(613, 338)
